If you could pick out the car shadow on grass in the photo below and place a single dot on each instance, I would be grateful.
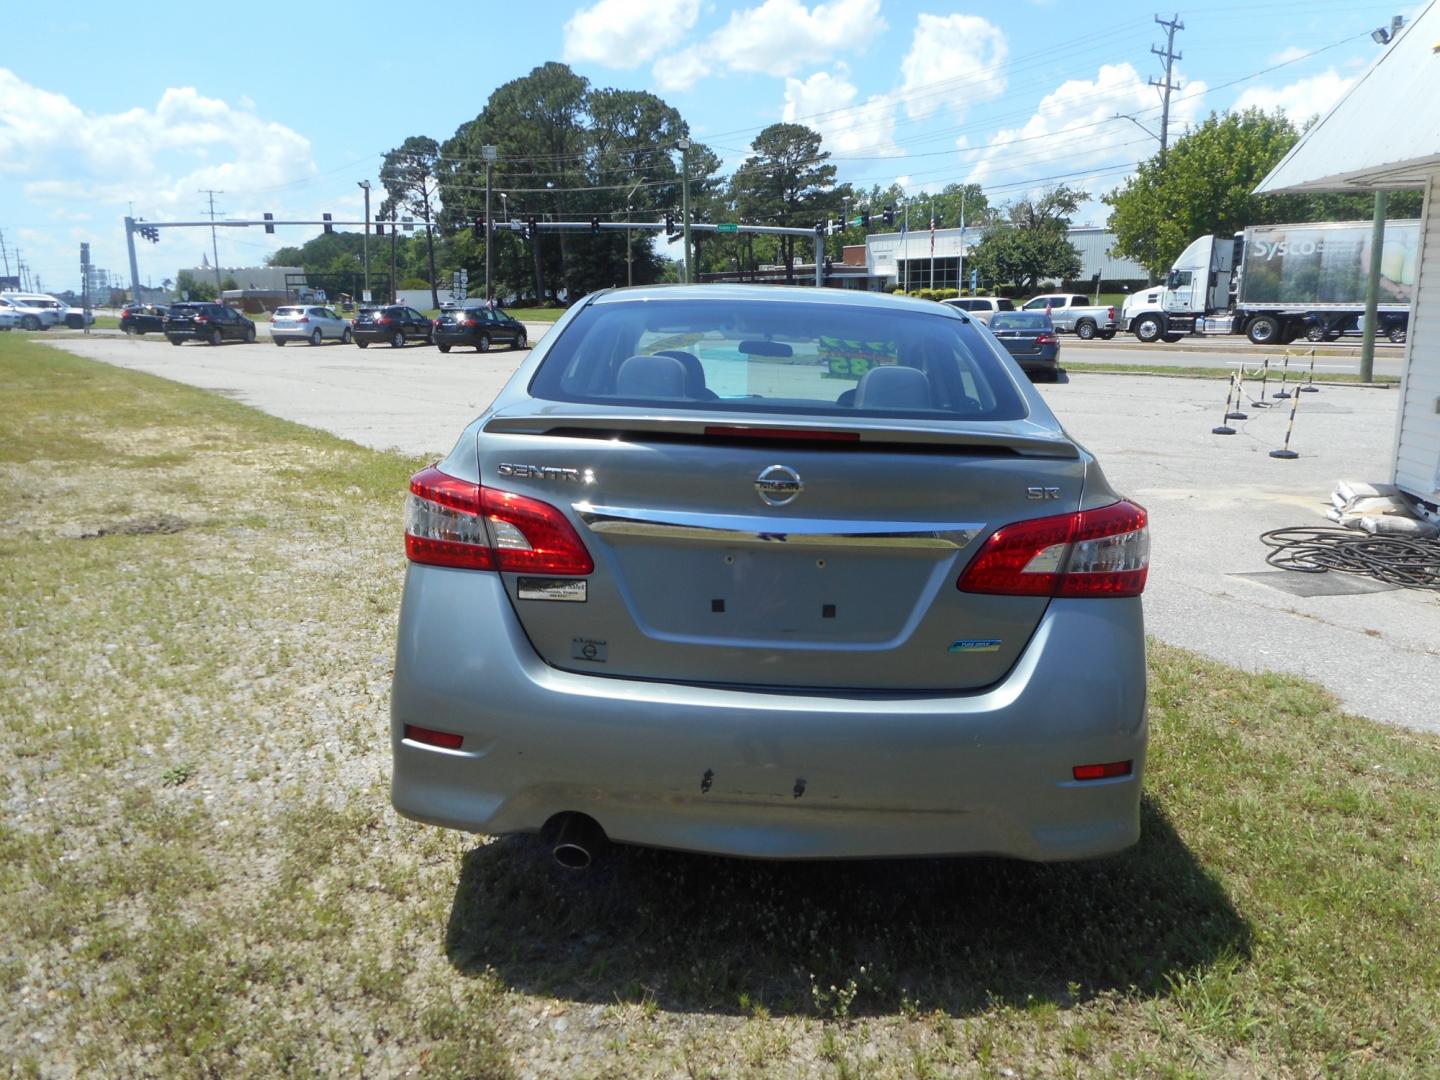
(700, 933)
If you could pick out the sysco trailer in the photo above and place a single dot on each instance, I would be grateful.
(1276, 283)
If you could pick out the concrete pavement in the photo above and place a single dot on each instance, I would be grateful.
(1209, 496)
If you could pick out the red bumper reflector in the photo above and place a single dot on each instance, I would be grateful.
(1102, 772)
(443, 739)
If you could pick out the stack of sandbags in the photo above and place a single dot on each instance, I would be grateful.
(1376, 508)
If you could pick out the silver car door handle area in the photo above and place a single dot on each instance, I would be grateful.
(747, 529)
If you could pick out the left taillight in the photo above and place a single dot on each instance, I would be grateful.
(1098, 553)
(453, 522)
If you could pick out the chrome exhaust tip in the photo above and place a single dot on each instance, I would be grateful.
(578, 838)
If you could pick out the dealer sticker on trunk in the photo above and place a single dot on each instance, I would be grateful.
(539, 588)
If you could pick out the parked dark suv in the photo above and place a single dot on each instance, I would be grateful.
(394, 323)
(213, 323)
(475, 324)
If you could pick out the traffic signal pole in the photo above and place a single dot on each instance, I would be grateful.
(134, 266)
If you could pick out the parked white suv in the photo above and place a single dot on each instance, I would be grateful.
(35, 311)
(982, 307)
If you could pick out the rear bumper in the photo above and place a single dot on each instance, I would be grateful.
(765, 774)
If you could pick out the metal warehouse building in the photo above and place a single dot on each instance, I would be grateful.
(908, 261)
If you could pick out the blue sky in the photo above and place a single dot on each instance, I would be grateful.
(263, 102)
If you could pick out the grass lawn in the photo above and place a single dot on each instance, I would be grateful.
(202, 875)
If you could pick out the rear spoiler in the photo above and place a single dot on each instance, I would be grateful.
(729, 429)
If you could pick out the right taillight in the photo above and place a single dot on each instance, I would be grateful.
(1102, 552)
(452, 522)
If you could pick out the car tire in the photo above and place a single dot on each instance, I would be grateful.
(29, 322)
(216, 337)
(1171, 339)
(316, 337)
(1106, 335)
(483, 344)
(1263, 330)
(1396, 334)
(250, 335)
(278, 341)
(1085, 330)
(519, 342)
(443, 348)
(346, 337)
(1149, 328)
(176, 341)
(1316, 333)
(126, 331)
(363, 344)
(397, 339)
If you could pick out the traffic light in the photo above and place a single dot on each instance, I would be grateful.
(595, 225)
(150, 232)
(669, 224)
(477, 227)
(379, 228)
(532, 227)
(889, 215)
(328, 227)
(865, 219)
(820, 227)
(269, 223)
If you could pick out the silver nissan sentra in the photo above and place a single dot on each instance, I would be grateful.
(774, 572)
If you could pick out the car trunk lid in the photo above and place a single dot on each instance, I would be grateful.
(782, 554)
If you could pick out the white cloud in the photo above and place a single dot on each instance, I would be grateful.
(681, 70)
(781, 36)
(823, 102)
(954, 60)
(1073, 130)
(1299, 100)
(1287, 54)
(186, 142)
(627, 33)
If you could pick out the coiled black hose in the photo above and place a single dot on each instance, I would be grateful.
(1410, 562)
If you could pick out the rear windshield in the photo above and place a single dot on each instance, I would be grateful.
(1007, 305)
(751, 356)
(283, 311)
(1021, 320)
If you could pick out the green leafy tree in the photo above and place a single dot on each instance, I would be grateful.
(1206, 186)
(187, 284)
(1030, 244)
(411, 185)
(785, 181)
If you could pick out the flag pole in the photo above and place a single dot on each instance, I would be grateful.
(932, 241)
(960, 273)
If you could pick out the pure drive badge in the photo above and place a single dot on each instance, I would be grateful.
(976, 645)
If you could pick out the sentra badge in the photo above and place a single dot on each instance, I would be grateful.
(976, 645)
(546, 472)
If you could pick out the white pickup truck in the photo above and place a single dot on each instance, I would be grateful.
(1074, 312)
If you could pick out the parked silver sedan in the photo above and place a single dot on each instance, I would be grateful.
(308, 323)
(775, 572)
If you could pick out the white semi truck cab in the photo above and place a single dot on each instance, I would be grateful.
(1274, 283)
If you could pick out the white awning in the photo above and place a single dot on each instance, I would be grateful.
(1385, 131)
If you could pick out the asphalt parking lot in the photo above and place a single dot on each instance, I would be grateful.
(1209, 496)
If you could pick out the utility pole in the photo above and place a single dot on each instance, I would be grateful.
(629, 250)
(684, 145)
(491, 154)
(5, 253)
(1169, 56)
(134, 267)
(214, 247)
(1372, 289)
(365, 243)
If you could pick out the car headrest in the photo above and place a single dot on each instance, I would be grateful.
(694, 372)
(891, 387)
(651, 377)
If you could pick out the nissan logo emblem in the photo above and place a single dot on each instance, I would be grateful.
(778, 485)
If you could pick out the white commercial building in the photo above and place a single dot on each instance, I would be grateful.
(1385, 134)
(907, 260)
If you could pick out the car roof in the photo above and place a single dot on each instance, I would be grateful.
(797, 294)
